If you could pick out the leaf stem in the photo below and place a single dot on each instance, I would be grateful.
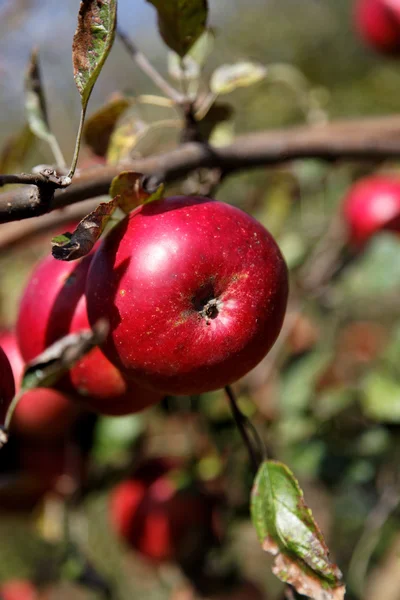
(78, 141)
(243, 424)
(143, 62)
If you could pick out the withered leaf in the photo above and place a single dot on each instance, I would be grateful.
(181, 22)
(128, 186)
(73, 246)
(286, 529)
(92, 42)
(47, 368)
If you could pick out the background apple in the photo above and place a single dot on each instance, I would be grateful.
(378, 22)
(18, 589)
(157, 518)
(371, 205)
(41, 413)
(53, 305)
(210, 286)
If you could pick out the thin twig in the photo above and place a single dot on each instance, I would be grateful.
(242, 423)
(147, 68)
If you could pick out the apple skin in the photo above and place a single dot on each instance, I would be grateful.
(371, 205)
(158, 520)
(7, 384)
(41, 413)
(54, 305)
(195, 292)
(378, 23)
(18, 589)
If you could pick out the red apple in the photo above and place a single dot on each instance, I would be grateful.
(195, 292)
(7, 385)
(54, 305)
(159, 520)
(378, 22)
(41, 413)
(18, 589)
(372, 205)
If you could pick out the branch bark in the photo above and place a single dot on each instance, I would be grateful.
(363, 139)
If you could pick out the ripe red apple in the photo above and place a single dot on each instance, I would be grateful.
(158, 519)
(371, 205)
(7, 385)
(18, 589)
(378, 22)
(41, 413)
(195, 292)
(54, 305)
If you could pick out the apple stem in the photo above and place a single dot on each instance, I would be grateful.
(257, 455)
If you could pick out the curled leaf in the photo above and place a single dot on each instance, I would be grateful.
(287, 530)
(181, 22)
(72, 246)
(128, 187)
(92, 42)
(99, 126)
(47, 368)
(227, 78)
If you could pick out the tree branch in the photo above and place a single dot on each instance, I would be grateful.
(363, 139)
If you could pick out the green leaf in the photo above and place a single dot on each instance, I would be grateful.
(92, 42)
(203, 47)
(35, 105)
(381, 398)
(128, 187)
(99, 126)
(227, 78)
(78, 244)
(287, 530)
(181, 22)
(116, 435)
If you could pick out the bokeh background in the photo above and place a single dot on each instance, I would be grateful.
(327, 398)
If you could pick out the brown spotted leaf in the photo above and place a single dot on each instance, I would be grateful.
(99, 126)
(181, 22)
(286, 529)
(92, 42)
(128, 186)
(72, 246)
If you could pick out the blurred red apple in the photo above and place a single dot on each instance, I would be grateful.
(41, 413)
(371, 205)
(156, 518)
(195, 291)
(378, 23)
(18, 589)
